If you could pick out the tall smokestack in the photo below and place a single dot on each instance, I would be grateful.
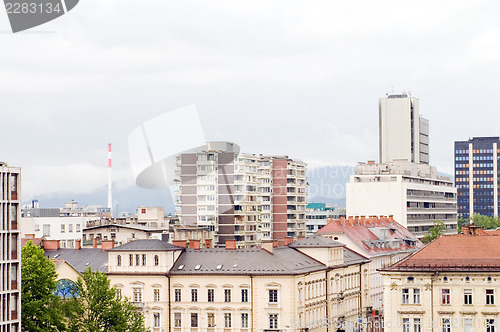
(110, 197)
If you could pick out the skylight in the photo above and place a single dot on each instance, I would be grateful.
(197, 267)
(219, 267)
(180, 267)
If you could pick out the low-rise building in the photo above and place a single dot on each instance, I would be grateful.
(292, 288)
(452, 284)
(381, 239)
(119, 233)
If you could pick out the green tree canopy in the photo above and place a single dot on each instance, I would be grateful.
(99, 307)
(480, 220)
(434, 232)
(40, 308)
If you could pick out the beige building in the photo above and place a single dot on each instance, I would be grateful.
(381, 239)
(450, 285)
(292, 288)
(119, 233)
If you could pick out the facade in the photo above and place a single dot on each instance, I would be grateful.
(450, 285)
(381, 239)
(414, 194)
(242, 197)
(10, 297)
(290, 288)
(317, 215)
(404, 134)
(152, 216)
(478, 193)
(66, 230)
(119, 233)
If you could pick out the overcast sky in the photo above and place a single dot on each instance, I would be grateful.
(300, 78)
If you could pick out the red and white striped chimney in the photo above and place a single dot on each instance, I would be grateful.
(110, 197)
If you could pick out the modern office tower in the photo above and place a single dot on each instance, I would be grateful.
(10, 299)
(242, 197)
(413, 193)
(404, 134)
(477, 193)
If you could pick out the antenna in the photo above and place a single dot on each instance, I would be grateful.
(110, 196)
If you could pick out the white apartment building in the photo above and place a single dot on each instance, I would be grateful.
(404, 134)
(292, 288)
(242, 197)
(10, 297)
(66, 230)
(318, 215)
(450, 285)
(412, 193)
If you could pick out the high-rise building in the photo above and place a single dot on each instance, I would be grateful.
(413, 193)
(476, 176)
(404, 134)
(10, 299)
(243, 197)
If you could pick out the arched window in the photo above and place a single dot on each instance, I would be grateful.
(119, 260)
(157, 260)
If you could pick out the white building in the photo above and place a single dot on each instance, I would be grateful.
(66, 230)
(318, 214)
(404, 134)
(413, 193)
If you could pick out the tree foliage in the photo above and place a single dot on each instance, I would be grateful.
(40, 308)
(434, 232)
(480, 220)
(99, 308)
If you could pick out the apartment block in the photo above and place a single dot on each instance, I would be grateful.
(414, 194)
(476, 176)
(243, 197)
(318, 215)
(404, 134)
(10, 298)
(450, 285)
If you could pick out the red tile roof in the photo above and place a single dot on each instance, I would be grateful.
(363, 230)
(454, 253)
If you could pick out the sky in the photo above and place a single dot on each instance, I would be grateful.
(300, 78)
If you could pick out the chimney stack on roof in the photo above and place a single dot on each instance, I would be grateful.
(230, 244)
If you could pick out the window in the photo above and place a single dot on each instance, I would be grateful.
(137, 294)
(417, 325)
(156, 319)
(490, 296)
(131, 259)
(406, 325)
(406, 295)
(210, 295)
(157, 260)
(37, 228)
(156, 293)
(273, 321)
(143, 260)
(227, 295)
(273, 296)
(194, 295)
(211, 319)
(63, 228)
(177, 295)
(467, 296)
(194, 319)
(468, 324)
(137, 259)
(143, 211)
(177, 319)
(445, 296)
(446, 325)
(119, 260)
(227, 319)
(244, 321)
(244, 295)
(77, 227)
(70, 228)
(490, 325)
(416, 296)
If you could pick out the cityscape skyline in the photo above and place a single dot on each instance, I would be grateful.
(286, 77)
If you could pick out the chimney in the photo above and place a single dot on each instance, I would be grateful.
(78, 244)
(94, 243)
(342, 220)
(194, 244)
(391, 218)
(362, 220)
(268, 246)
(180, 243)
(50, 244)
(230, 244)
(107, 244)
(288, 240)
(208, 243)
(465, 230)
(356, 220)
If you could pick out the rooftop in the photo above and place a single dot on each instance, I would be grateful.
(454, 253)
(80, 259)
(316, 241)
(147, 245)
(373, 235)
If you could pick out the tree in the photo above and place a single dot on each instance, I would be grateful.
(40, 308)
(434, 232)
(98, 307)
